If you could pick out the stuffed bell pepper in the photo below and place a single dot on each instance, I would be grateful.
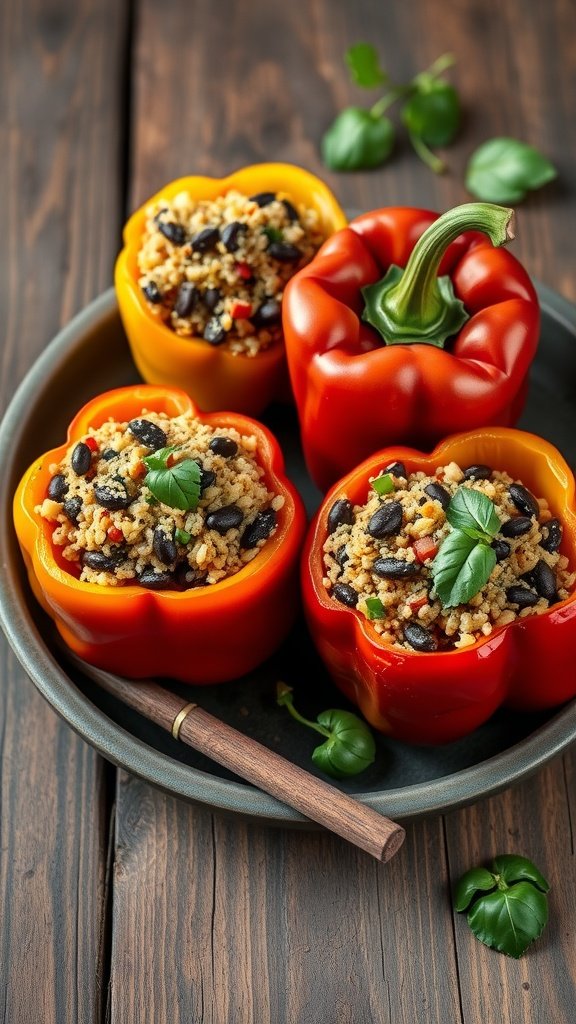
(201, 277)
(405, 328)
(438, 587)
(161, 541)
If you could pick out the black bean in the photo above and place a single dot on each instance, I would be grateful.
(207, 478)
(479, 472)
(212, 297)
(263, 198)
(525, 501)
(544, 580)
(342, 556)
(205, 240)
(231, 235)
(148, 434)
(419, 637)
(341, 512)
(101, 562)
(71, 509)
(552, 540)
(57, 488)
(516, 527)
(187, 577)
(346, 594)
(502, 549)
(223, 519)
(175, 233)
(438, 493)
(152, 292)
(284, 252)
(267, 314)
(153, 580)
(521, 596)
(397, 469)
(214, 332)
(386, 520)
(110, 454)
(112, 498)
(395, 569)
(258, 530)
(164, 547)
(81, 459)
(224, 446)
(185, 299)
(291, 211)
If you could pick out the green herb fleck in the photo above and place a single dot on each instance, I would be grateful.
(507, 907)
(375, 608)
(182, 536)
(273, 234)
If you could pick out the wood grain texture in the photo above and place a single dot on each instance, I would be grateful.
(59, 224)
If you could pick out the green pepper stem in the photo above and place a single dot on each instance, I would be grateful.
(414, 304)
(381, 106)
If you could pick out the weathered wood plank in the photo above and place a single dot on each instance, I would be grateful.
(60, 103)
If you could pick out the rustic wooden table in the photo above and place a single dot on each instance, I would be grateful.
(119, 903)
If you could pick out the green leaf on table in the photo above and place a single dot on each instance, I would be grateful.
(474, 513)
(503, 170)
(357, 140)
(433, 113)
(461, 568)
(176, 485)
(364, 64)
(507, 907)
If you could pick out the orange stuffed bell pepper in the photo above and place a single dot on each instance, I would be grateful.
(162, 541)
(405, 328)
(434, 599)
(199, 281)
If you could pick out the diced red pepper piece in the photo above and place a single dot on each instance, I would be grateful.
(244, 271)
(91, 443)
(418, 602)
(424, 548)
(114, 534)
(240, 310)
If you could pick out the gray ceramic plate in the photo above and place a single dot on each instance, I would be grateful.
(90, 356)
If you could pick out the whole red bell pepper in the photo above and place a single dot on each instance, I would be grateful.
(204, 635)
(380, 355)
(438, 697)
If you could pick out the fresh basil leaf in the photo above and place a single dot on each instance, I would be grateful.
(375, 608)
(474, 882)
(509, 920)
(357, 140)
(461, 568)
(471, 510)
(350, 747)
(177, 486)
(503, 170)
(383, 484)
(364, 64)
(512, 868)
(433, 113)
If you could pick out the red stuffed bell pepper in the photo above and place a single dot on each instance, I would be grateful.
(99, 505)
(379, 355)
(436, 697)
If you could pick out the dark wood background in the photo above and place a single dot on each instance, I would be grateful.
(117, 902)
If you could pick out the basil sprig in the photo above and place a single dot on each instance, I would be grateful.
(349, 747)
(507, 907)
(503, 170)
(465, 559)
(177, 485)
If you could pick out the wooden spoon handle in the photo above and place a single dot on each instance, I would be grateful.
(256, 763)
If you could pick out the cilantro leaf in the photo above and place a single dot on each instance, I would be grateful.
(177, 485)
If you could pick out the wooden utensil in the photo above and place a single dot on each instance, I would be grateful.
(319, 801)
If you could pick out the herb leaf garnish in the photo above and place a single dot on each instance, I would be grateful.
(349, 747)
(177, 485)
(507, 907)
(466, 559)
(364, 64)
(503, 170)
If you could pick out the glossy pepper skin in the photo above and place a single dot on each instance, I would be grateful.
(354, 393)
(437, 697)
(213, 377)
(204, 635)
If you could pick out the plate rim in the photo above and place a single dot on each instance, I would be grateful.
(408, 803)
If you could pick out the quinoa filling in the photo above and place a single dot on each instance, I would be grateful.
(116, 523)
(379, 557)
(217, 269)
